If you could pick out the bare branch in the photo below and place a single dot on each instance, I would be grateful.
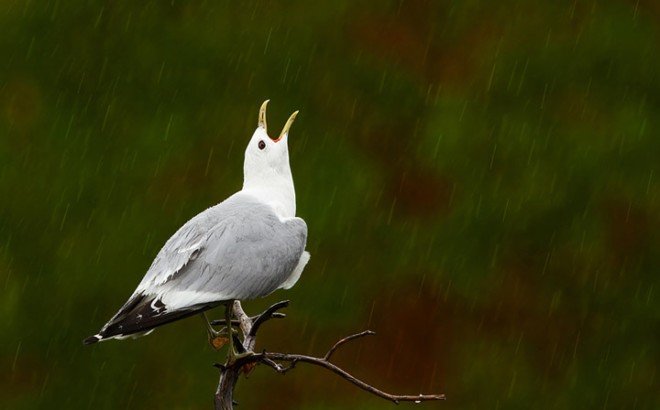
(276, 366)
(317, 361)
(266, 315)
(249, 326)
(246, 323)
(345, 340)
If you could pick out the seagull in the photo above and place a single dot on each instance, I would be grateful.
(245, 247)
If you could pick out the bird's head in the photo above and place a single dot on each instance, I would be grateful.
(267, 159)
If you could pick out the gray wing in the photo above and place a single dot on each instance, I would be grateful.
(238, 249)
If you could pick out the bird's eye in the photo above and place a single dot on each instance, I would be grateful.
(261, 144)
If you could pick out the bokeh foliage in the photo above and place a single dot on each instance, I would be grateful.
(479, 180)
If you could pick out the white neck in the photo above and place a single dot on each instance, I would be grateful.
(275, 189)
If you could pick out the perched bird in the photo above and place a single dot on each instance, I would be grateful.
(245, 247)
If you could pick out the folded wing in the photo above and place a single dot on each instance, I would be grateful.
(238, 249)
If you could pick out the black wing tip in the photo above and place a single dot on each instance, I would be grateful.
(92, 339)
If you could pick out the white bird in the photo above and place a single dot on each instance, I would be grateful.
(243, 248)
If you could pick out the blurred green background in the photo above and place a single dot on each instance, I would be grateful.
(480, 182)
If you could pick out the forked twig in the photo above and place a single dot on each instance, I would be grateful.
(322, 362)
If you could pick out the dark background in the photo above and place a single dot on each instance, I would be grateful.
(480, 182)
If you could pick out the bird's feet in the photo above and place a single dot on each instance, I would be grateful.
(237, 358)
(237, 351)
(218, 341)
(234, 356)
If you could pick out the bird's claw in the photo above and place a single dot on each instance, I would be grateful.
(218, 341)
(234, 357)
